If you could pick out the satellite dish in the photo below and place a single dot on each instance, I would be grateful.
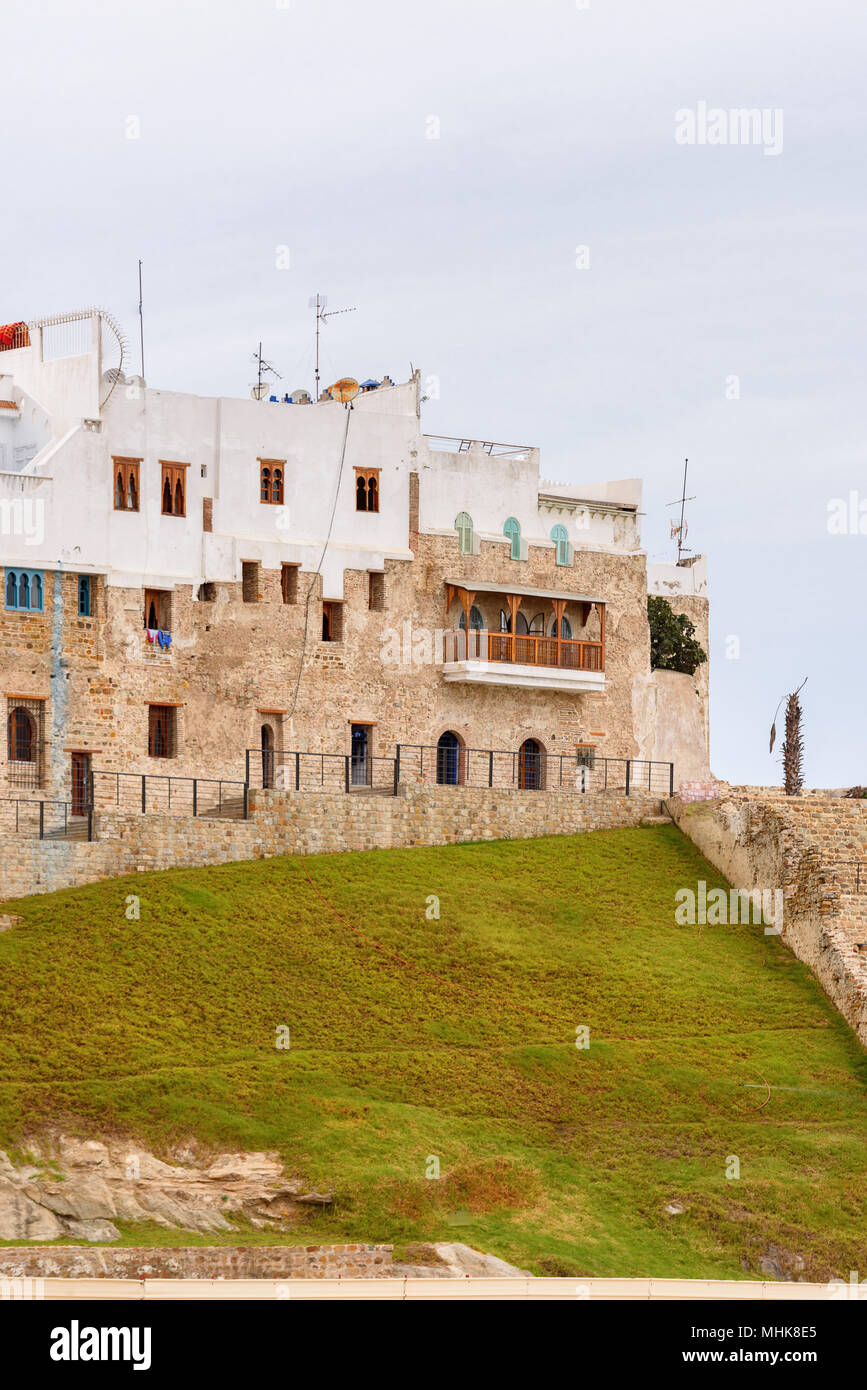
(259, 390)
(113, 376)
(300, 396)
(346, 389)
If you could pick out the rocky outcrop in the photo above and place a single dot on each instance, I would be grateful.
(81, 1188)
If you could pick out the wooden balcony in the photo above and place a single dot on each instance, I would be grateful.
(527, 659)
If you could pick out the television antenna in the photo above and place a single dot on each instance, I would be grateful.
(261, 386)
(681, 531)
(318, 302)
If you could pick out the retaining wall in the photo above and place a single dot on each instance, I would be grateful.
(292, 822)
(774, 841)
(196, 1262)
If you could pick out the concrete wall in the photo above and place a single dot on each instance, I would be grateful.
(792, 844)
(308, 823)
(197, 1262)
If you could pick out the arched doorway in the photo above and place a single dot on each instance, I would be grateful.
(449, 768)
(530, 765)
(267, 756)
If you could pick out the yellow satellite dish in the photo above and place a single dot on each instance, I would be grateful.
(346, 389)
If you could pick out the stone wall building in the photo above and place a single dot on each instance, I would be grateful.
(186, 579)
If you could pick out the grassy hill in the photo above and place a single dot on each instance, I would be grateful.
(455, 1038)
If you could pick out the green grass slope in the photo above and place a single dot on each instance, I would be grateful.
(416, 1038)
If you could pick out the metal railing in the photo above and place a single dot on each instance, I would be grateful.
(518, 769)
(532, 771)
(522, 648)
(45, 820)
(179, 796)
(296, 771)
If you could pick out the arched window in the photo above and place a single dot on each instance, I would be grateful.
(23, 591)
(505, 621)
(20, 737)
(167, 498)
(449, 760)
(11, 589)
(36, 593)
(477, 622)
(265, 485)
(372, 494)
(132, 494)
(560, 537)
(119, 493)
(530, 765)
(179, 498)
(152, 615)
(512, 529)
(565, 627)
(464, 528)
(277, 486)
(360, 494)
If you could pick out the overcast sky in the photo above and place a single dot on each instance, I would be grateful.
(438, 166)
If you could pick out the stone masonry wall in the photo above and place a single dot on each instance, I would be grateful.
(232, 666)
(796, 844)
(197, 1262)
(308, 823)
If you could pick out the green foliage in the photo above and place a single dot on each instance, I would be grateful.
(672, 639)
(554, 1158)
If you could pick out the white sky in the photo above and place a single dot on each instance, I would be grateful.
(304, 125)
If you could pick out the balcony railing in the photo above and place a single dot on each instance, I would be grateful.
(524, 649)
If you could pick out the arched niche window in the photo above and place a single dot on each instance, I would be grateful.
(505, 621)
(565, 627)
(464, 528)
(174, 489)
(367, 489)
(277, 487)
(534, 625)
(512, 529)
(477, 621)
(126, 484)
(560, 537)
(24, 590)
(265, 484)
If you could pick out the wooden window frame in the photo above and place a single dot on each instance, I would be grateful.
(333, 610)
(289, 583)
(274, 490)
(163, 600)
(370, 478)
(170, 712)
(126, 469)
(175, 474)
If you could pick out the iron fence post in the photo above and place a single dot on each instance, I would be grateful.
(671, 779)
(246, 801)
(346, 773)
(396, 769)
(143, 793)
(627, 776)
(42, 820)
(247, 767)
(90, 821)
(491, 767)
(195, 796)
(297, 772)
